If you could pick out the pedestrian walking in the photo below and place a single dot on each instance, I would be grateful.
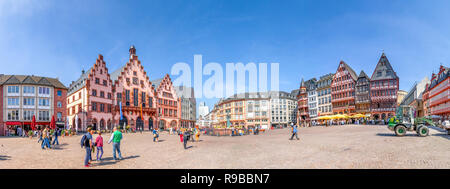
(45, 137)
(116, 137)
(294, 132)
(180, 133)
(40, 137)
(99, 144)
(197, 134)
(185, 139)
(55, 133)
(232, 131)
(86, 142)
(155, 135)
(191, 134)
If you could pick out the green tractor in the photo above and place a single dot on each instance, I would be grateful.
(402, 123)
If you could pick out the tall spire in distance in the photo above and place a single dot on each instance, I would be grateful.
(302, 83)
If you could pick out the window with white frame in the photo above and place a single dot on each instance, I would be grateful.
(44, 115)
(44, 102)
(13, 102)
(13, 89)
(28, 89)
(44, 90)
(28, 114)
(13, 115)
(28, 101)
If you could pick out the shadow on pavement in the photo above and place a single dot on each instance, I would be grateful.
(393, 134)
(5, 157)
(59, 147)
(111, 161)
(161, 140)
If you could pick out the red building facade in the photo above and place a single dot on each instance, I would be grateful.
(384, 86)
(89, 100)
(343, 90)
(168, 103)
(134, 93)
(438, 94)
(60, 113)
(302, 105)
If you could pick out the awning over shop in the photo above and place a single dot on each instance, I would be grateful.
(13, 123)
(26, 123)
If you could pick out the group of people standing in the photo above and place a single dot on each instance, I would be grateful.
(88, 142)
(189, 134)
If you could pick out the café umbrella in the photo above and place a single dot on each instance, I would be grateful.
(52, 123)
(33, 123)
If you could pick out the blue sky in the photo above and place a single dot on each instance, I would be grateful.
(308, 38)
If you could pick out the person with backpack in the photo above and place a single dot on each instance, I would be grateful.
(116, 137)
(86, 142)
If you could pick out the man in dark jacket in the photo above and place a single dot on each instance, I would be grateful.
(56, 133)
(185, 138)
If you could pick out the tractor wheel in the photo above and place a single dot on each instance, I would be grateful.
(423, 131)
(400, 130)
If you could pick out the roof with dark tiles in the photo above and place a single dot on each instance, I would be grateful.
(30, 80)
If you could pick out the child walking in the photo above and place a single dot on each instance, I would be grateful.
(99, 143)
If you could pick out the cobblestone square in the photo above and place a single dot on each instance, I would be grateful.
(350, 146)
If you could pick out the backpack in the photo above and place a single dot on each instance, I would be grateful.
(84, 141)
(83, 138)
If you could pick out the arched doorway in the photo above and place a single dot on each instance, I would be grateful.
(73, 123)
(162, 124)
(123, 122)
(150, 124)
(173, 124)
(139, 124)
(383, 116)
(102, 124)
(79, 124)
(108, 125)
(132, 123)
(376, 116)
(390, 115)
(94, 124)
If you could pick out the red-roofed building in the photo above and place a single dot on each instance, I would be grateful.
(343, 90)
